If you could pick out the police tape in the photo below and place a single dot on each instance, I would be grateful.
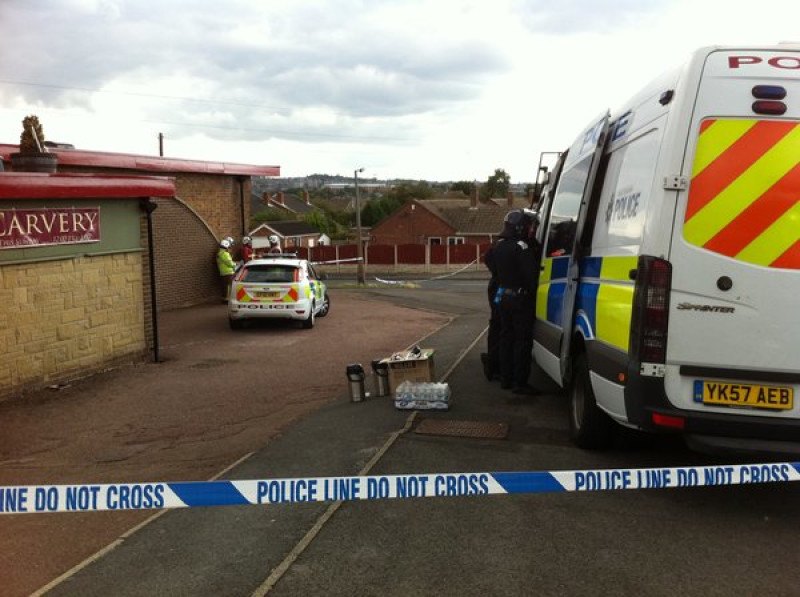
(146, 496)
(441, 277)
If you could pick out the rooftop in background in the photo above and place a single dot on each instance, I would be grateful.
(128, 161)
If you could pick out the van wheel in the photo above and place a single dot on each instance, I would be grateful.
(589, 427)
(308, 322)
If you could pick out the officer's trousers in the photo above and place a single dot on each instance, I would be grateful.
(493, 337)
(517, 314)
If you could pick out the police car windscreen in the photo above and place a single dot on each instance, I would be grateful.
(269, 273)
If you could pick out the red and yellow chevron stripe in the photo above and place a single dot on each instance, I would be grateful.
(744, 198)
(291, 296)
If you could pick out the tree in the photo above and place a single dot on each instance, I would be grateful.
(319, 220)
(464, 186)
(377, 209)
(405, 192)
(498, 184)
(269, 215)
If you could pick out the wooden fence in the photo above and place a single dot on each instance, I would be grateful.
(411, 257)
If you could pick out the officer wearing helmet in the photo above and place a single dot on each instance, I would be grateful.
(226, 266)
(513, 261)
(274, 245)
(247, 249)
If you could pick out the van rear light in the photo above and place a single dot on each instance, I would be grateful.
(648, 341)
(669, 421)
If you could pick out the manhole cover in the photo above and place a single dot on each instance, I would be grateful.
(479, 429)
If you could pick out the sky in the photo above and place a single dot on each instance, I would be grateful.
(439, 90)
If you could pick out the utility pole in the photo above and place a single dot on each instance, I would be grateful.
(359, 247)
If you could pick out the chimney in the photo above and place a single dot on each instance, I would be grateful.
(307, 197)
(510, 199)
(265, 198)
(279, 198)
(473, 198)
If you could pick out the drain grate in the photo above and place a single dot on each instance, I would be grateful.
(478, 429)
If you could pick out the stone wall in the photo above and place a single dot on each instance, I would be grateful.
(68, 318)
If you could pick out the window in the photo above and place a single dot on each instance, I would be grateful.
(626, 191)
(434, 240)
(566, 205)
(264, 274)
(455, 240)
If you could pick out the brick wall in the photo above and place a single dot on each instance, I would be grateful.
(185, 257)
(186, 232)
(68, 318)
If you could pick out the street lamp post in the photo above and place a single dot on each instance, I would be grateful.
(359, 247)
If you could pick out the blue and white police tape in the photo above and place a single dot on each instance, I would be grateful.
(441, 277)
(144, 496)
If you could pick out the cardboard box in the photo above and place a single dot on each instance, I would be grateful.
(414, 370)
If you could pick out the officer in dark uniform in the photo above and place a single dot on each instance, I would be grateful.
(516, 267)
(491, 358)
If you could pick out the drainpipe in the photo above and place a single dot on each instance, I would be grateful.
(241, 180)
(148, 206)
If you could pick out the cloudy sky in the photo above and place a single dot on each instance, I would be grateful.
(420, 89)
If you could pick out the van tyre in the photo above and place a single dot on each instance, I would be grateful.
(589, 427)
(308, 322)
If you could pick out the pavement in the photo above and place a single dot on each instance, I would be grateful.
(705, 541)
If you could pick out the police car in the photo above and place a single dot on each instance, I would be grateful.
(277, 288)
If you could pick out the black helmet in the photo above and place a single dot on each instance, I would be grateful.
(533, 217)
(515, 222)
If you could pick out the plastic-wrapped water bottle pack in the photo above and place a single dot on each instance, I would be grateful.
(422, 396)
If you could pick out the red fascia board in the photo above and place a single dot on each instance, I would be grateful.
(27, 185)
(102, 159)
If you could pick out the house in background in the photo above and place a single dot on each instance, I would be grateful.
(282, 202)
(292, 234)
(445, 221)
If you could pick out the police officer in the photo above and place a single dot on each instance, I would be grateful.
(491, 358)
(516, 267)
(226, 266)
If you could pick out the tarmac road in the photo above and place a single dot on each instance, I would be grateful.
(738, 540)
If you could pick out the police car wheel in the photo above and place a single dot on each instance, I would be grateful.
(590, 427)
(326, 306)
(308, 322)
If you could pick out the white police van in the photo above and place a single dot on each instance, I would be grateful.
(669, 295)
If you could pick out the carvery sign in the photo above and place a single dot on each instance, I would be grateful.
(49, 226)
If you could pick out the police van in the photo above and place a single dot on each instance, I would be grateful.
(669, 292)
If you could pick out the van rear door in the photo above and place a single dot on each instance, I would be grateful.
(735, 305)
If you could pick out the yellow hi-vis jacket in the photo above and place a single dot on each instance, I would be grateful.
(225, 263)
